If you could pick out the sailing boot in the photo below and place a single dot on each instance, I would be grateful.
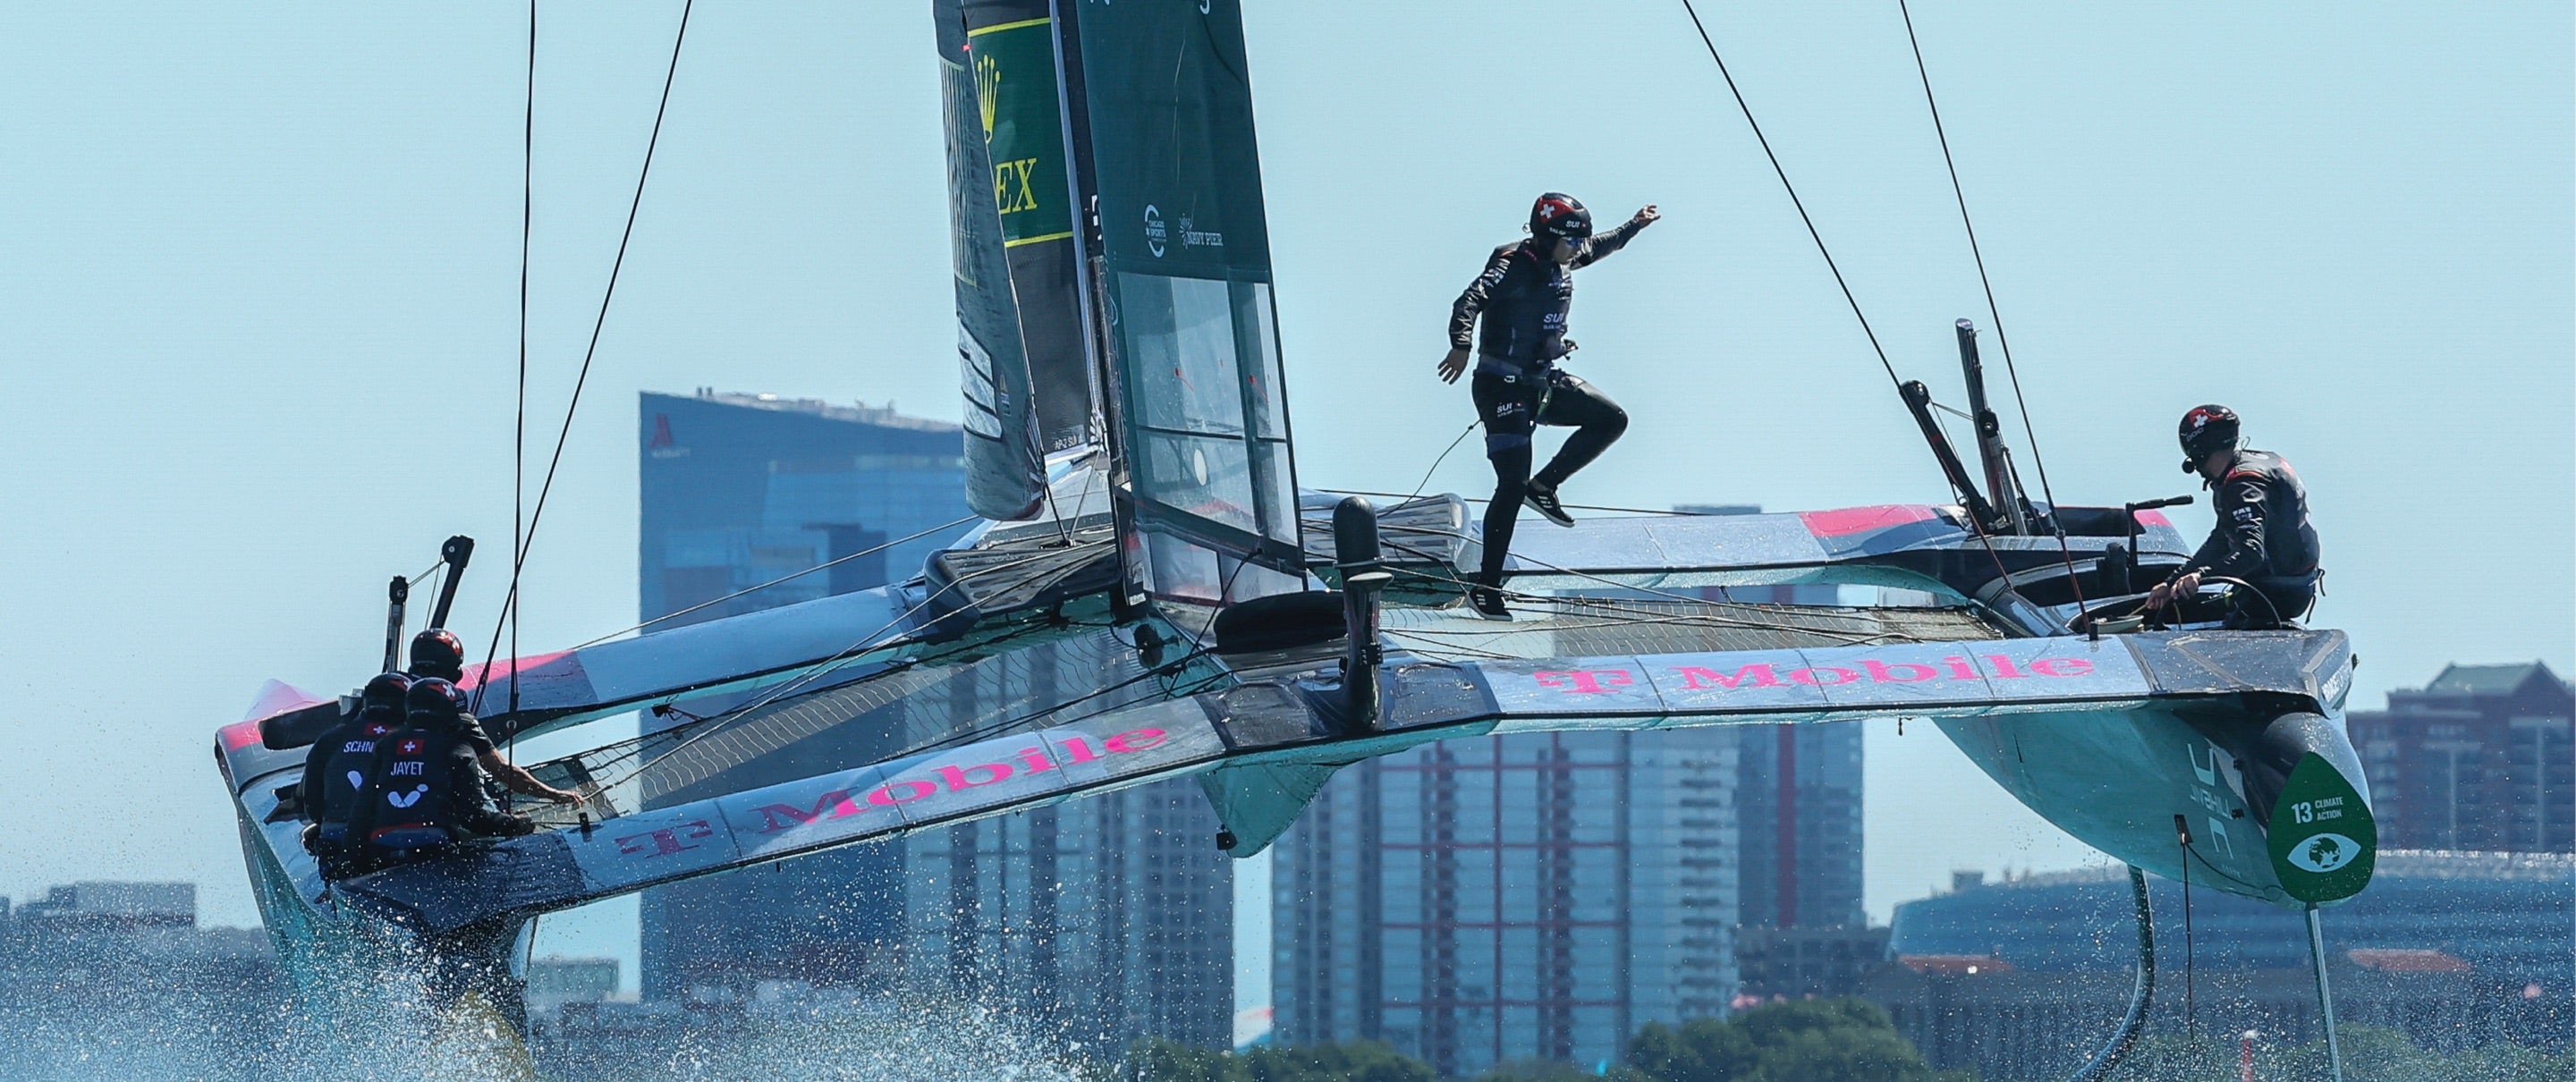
(1488, 602)
(1541, 497)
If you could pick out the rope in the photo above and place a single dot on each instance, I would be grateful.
(2073, 580)
(638, 746)
(824, 667)
(1418, 486)
(518, 560)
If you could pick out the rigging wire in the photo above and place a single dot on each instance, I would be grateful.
(780, 579)
(527, 540)
(1792, 189)
(825, 667)
(519, 413)
(1812, 233)
(1992, 312)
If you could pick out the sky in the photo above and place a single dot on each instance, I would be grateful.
(259, 303)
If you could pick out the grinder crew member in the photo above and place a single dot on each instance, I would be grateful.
(1523, 296)
(438, 653)
(2263, 536)
(335, 773)
(425, 793)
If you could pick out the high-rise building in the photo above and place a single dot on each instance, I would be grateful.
(739, 490)
(1798, 810)
(1105, 919)
(2479, 759)
(1798, 803)
(1101, 920)
(1536, 895)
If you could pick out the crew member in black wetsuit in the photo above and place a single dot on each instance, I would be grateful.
(2263, 536)
(425, 792)
(438, 653)
(335, 772)
(1524, 295)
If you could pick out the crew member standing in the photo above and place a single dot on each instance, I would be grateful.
(2263, 537)
(1523, 296)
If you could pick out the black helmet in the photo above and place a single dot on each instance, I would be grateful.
(438, 652)
(435, 697)
(385, 690)
(1558, 215)
(2204, 431)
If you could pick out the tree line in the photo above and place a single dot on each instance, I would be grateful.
(1820, 1040)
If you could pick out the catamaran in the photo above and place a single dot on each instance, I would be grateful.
(1153, 594)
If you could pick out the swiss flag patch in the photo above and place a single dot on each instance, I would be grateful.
(413, 746)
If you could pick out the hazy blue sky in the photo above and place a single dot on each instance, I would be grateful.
(258, 283)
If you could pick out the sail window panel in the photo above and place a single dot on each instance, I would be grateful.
(1266, 393)
(1180, 339)
(1179, 568)
(1174, 567)
(1207, 478)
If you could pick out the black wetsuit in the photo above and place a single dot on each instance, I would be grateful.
(335, 774)
(1524, 298)
(2264, 537)
(426, 793)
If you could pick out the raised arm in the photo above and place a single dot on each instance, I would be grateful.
(2236, 548)
(1605, 243)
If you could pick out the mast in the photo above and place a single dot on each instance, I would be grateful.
(2001, 491)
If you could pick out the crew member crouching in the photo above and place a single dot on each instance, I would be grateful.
(2263, 537)
(336, 770)
(438, 653)
(426, 792)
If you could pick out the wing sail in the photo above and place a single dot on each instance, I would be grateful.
(1004, 473)
(1161, 113)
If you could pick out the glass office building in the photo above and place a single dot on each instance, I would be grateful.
(1106, 919)
(739, 490)
(1528, 896)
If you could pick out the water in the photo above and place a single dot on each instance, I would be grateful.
(818, 1038)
